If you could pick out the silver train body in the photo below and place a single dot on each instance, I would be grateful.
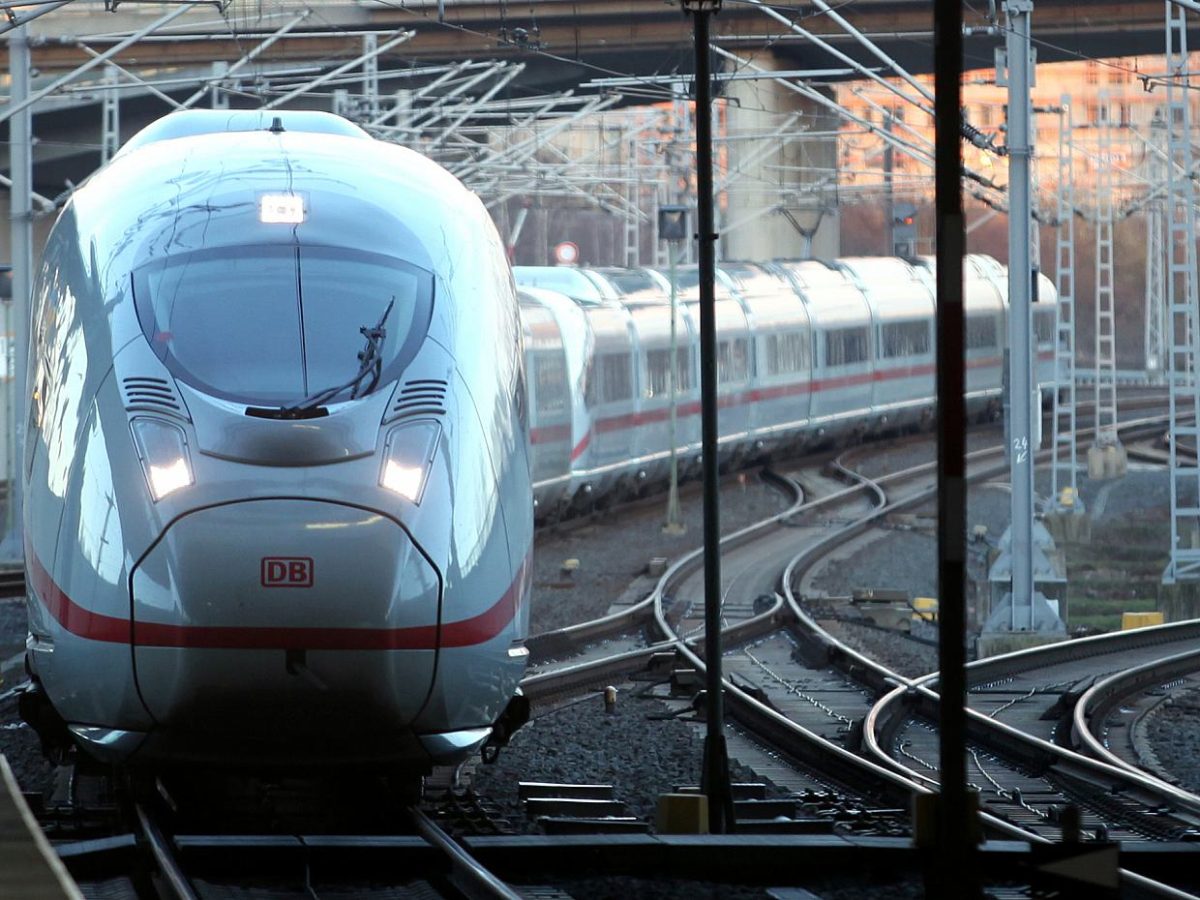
(808, 353)
(232, 554)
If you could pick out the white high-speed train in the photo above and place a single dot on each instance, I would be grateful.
(807, 352)
(278, 500)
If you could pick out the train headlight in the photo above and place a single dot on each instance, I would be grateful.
(407, 458)
(162, 448)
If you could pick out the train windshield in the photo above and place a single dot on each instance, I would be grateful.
(272, 325)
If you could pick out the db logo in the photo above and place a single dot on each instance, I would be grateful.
(287, 571)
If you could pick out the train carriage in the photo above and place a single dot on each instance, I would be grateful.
(611, 397)
(842, 346)
(651, 320)
(278, 506)
(902, 310)
(781, 347)
(806, 351)
(557, 345)
(1045, 335)
(735, 372)
(984, 335)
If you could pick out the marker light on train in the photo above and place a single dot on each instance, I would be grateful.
(407, 458)
(162, 448)
(281, 209)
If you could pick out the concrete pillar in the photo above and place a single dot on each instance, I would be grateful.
(791, 180)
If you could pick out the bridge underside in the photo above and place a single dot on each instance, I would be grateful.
(589, 37)
(561, 45)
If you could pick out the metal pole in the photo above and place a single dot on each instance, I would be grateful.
(110, 134)
(1019, 313)
(953, 863)
(674, 525)
(715, 777)
(16, 106)
(20, 138)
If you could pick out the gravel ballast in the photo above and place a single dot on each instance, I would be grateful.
(637, 749)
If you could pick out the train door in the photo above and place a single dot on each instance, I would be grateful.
(610, 394)
(549, 402)
(658, 380)
(734, 371)
(550, 433)
(1045, 327)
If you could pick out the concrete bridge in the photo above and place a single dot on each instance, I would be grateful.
(561, 44)
(630, 36)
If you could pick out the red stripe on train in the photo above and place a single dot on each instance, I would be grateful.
(112, 629)
(553, 433)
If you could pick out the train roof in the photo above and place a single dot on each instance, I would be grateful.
(192, 122)
(207, 189)
(576, 283)
(893, 287)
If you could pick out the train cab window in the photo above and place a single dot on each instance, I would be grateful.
(787, 353)
(733, 361)
(981, 332)
(550, 383)
(611, 379)
(903, 339)
(1043, 325)
(276, 324)
(846, 346)
(658, 363)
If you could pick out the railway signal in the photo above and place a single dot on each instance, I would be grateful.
(904, 230)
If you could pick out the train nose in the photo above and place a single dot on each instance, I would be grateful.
(278, 619)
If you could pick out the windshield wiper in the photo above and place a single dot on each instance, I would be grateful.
(370, 365)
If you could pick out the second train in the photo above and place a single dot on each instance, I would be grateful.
(808, 353)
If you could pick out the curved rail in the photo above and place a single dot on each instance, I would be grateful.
(566, 641)
(886, 777)
(1094, 704)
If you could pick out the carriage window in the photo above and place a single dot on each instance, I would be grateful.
(981, 332)
(550, 374)
(657, 365)
(733, 361)
(610, 379)
(844, 346)
(1043, 326)
(903, 339)
(787, 353)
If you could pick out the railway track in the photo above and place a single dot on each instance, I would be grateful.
(838, 702)
(417, 855)
(573, 658)
(1108, 714)
(1022, 762)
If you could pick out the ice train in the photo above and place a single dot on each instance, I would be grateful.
(277, 486)
(807, 353)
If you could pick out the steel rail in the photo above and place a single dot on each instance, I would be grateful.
(810, 748)
(1094, 704)
(593, 630)
(164, 858)
(467, 874)
(857, 664)
(568, 639)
